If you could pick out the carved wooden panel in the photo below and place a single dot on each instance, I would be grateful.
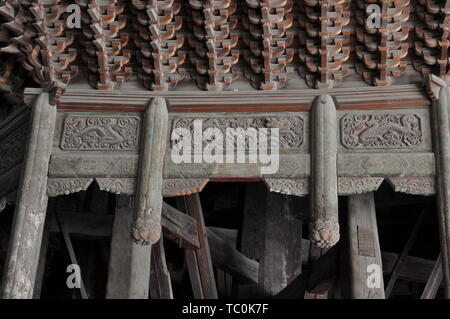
(117, 185)
(66, 186)
(380, 131)
(100, 133)
(358, 185)
(288, 186)
(414, 185)
(291, 129)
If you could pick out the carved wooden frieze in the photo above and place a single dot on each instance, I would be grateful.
(351, 186)
(117, 185)
(100, 133)
(291, 129)
(66, 186)
(12, 150)
(381, 131)
(179, 187)
(288, 186)
(413, 185)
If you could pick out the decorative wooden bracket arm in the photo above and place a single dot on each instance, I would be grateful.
(146, 228)
(324, 225)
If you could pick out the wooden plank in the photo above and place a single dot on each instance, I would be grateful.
(160, 283)
(364, 247)
(412, 237)
(281, 260)
(205, 266)
(129, 264)
(434, 281)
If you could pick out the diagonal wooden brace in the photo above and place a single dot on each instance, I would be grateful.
(146, 228)
(324, 225)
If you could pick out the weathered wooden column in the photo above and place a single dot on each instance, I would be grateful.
(129, 264)
(324, 225)
(147, 223)
(441, 137)
(364, 248)
(29, 218)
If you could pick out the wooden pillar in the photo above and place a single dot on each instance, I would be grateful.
(147, 224)
(29, 218)
(324, 225)
(364, 248)
(129, 264)
(441, 137)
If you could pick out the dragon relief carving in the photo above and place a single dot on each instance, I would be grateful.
(100, 133)
(381, 131)
(291, 134)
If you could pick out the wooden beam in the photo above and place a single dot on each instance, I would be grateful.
(129, 263)
(194, 209)
(364, 247)
(29, 218)
(160, 283)
(434, 281)
(227, 258)
(405, 252)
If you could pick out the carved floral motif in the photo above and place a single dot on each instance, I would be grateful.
(100, 133)
(381, 130)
